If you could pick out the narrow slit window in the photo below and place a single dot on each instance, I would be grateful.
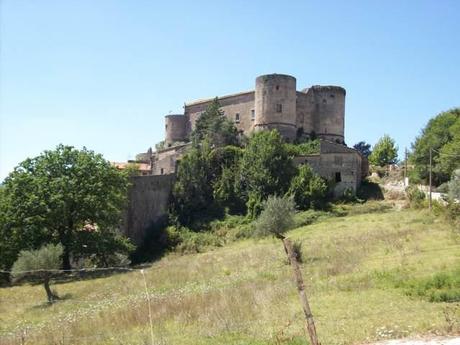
(338, 177)
(237, 117)
(279, 108)
(253, 115)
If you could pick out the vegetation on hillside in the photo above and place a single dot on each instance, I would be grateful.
(373, 274)
(222, 174)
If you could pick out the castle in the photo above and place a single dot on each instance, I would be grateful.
(274, 104)
(315, 112)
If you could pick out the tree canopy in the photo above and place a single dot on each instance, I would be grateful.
(307, 188)
(442, 136)
(364, 148)
(276, 217)
(67, 196)
(384, 152)
(214, 127)
(266, 169)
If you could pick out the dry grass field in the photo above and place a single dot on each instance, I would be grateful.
(367, 273)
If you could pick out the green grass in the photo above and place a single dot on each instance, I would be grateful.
(369, 272)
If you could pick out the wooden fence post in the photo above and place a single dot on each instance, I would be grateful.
(310, 324)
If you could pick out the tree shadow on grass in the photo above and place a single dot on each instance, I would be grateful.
(46, 304)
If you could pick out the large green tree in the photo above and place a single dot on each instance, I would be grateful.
(67, 196)
(442, 136)
(384, 152)
(213, 126)
(192, 192)
(308, 189)
(266, 169)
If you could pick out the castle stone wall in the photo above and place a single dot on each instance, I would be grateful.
(175, 128)
(305, 112)
(330, 112)
(275, 104)
(148, 203)
(242, 104)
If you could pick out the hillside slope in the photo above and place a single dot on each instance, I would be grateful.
(365, 276)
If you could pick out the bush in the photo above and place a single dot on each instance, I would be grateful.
(309, 217)
(441, 287)
(416, 196)
(277, 216)
(216, 234)
(443, 188)
(453, 214)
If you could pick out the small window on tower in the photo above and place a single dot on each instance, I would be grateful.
(279, 108)
(162, 171)
(237, 117)
(338, 177)
(166, 126)
(253, 115)
(277, 87)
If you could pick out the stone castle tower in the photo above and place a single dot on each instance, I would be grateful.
(275, 103)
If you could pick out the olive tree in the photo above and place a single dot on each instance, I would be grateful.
(39, 264)
(276, 218)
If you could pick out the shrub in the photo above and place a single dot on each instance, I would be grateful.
(277, 216)
(452, 213)
(416, 196)
(441, 287)
(454, 186)
(39, 264)
(309, 217)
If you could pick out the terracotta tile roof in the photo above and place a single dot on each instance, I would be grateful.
(123, 165)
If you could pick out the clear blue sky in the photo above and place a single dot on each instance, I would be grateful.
(102, 74)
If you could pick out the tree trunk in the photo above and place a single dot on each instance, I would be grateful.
(310, 324)
(49, 293)
(66, 259)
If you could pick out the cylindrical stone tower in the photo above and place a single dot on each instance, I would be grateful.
(330, 112)
(176, 128)
(275, 104)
